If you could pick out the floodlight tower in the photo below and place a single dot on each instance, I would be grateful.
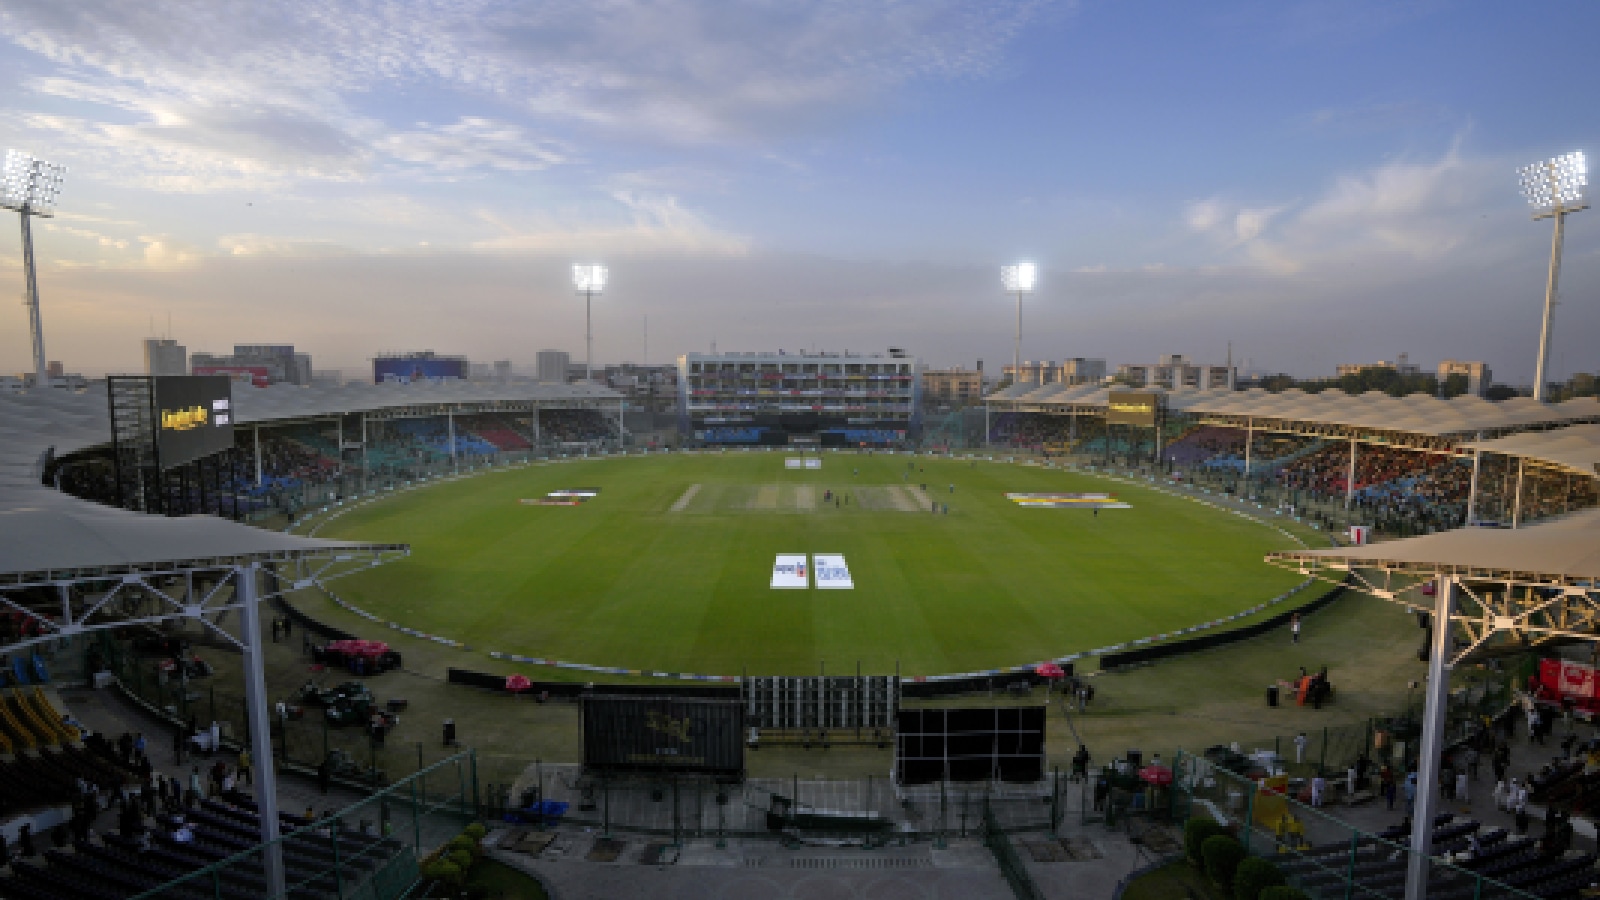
(1018, 279)
(589, 280)
(1554, 188)
(30, 186)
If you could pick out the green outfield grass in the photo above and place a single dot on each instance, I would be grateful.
(646, 577)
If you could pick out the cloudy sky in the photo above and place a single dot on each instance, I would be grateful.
(1318, 181)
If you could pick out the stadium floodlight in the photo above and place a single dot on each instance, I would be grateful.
(1555, 188)
(30, 186)
(589, 280)
(1018, 279)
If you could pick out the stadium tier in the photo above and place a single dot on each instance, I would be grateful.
(831, 399)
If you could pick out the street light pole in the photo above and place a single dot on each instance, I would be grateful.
(1555, 189)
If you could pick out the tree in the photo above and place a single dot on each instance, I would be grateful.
(1222, 854)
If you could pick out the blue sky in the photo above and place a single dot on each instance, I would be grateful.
(1318, 182)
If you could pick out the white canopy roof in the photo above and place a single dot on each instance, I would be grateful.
(1463, 416)
(1565, 551)
(1575, 447)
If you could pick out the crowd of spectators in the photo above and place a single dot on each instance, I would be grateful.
(570, 426)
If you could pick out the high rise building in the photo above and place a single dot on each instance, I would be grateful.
(551, 366)
(164, 356)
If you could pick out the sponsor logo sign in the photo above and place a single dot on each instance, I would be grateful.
(1140, 408)
(805, 463)
(789, 570)
(1066, 501)
(830, 572)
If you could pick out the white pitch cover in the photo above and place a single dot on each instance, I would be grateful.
(789, 571)
(803, 463)
(831, 572)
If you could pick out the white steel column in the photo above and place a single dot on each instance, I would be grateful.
(363, 451)
(1472, 492)
(1516, 509)
(1436, 696)
(1249, 438)
(986, 424)
(255, 695)
(1350, 480)
(257, 430)
(450, 415)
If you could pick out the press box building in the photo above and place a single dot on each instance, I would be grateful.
(780, 398)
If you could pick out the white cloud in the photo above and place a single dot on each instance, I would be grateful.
(473, 142)
(648, 222)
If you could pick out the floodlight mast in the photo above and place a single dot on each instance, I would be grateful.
(1555, 188)
(589, 280)
(1018, 279)
(30, 186)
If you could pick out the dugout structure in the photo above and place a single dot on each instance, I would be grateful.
(1004, 743)
(663, 736)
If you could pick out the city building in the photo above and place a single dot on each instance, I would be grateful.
(256, 364)
(955, 387)
(1175, 373)
(1077, 370)
(1401, 366)
(777, 398)
(1478, 375)
(165, 356)
(551, 366)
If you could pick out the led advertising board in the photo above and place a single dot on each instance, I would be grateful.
(411, 369)
(194, 417)
(1140, 408)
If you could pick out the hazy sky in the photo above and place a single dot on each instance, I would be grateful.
(1319, 182)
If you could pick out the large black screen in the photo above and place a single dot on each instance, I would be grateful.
(194, 417)
(970, 744)
(663, 734)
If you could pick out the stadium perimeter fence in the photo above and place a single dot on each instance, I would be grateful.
(369, 850)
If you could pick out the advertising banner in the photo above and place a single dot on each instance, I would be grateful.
(255, 376)
(830, 572)
(789, 571)
(806, 463)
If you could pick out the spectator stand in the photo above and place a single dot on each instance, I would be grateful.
(1535, 585)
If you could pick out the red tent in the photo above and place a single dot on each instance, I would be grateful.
(1049, 670)
(1160, 776)
(517, 683)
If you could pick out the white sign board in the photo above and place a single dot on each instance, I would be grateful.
(789, 571)
(1360, 534)
(830, 572)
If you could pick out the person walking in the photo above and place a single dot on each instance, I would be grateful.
(1294, 628)
(1318, 785)
(245, 774)
(1461, 787)
(1387, 785)
(1300, 741)
(1410, 792)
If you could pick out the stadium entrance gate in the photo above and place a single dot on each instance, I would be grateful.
(822, 708)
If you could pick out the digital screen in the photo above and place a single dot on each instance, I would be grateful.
(194, 417)
(409, 370)
(1141, 408)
